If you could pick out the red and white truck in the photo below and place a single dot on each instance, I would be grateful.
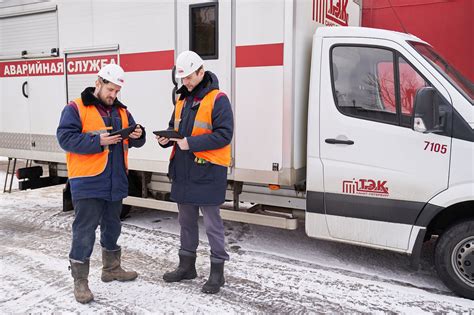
(367, 134)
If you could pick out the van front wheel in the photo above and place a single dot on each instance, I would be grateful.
(454, 258)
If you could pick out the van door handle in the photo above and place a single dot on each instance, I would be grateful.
(23, 89)
(336, 141)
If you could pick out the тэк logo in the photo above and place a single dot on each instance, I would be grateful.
(365, 187)
(331, 12)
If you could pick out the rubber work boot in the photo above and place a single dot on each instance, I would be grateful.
(216, 278)
(80, 273)
(112, 270)
(186, 270)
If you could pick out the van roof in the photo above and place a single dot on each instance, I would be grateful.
(366, 32)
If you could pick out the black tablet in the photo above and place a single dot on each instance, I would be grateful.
(170, 134)
(125, 132)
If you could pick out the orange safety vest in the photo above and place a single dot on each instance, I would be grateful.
(88, 165)
(202, 126)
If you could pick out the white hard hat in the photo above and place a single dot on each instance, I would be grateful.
(112, 73)
(187, 62)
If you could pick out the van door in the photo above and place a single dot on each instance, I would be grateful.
(205, 27)
(378, 172)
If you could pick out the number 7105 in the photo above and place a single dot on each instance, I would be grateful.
(436, 147)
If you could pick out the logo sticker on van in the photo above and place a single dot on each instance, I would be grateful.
(331, 12)
(369, 187)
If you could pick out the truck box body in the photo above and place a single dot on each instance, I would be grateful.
(262, 62)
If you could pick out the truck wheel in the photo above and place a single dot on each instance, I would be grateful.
(134, 189)
(454, 258)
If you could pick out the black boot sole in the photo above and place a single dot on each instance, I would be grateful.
(212, 290)
(185, 277)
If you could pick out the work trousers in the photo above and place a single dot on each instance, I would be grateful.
(89, 214)
(188, 220)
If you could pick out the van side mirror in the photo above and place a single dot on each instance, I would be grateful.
(426, 111)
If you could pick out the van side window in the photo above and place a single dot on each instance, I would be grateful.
(410, 83)
(203, 29)
(363, 81)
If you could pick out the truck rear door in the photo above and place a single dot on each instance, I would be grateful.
(29, 72)
(378, 172)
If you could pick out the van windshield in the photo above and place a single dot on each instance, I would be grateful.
(464, 85)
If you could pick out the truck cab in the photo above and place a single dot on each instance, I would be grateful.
(390, 147)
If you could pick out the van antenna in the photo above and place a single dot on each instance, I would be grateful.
(398, 18)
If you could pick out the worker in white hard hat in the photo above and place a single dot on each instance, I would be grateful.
(198, 166)
(110, 73)
(97, 165)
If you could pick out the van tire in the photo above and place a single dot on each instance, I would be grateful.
(454, 258)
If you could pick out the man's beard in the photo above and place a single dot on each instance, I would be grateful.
(107, 101)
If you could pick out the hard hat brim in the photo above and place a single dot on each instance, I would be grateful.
(180, 76)
(121, 84)
(185, 74)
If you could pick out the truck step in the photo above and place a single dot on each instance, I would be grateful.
(229, 215)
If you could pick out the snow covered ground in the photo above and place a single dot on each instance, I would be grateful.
(271, 270)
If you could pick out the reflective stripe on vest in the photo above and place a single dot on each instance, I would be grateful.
(203, 125)
(87, 165)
